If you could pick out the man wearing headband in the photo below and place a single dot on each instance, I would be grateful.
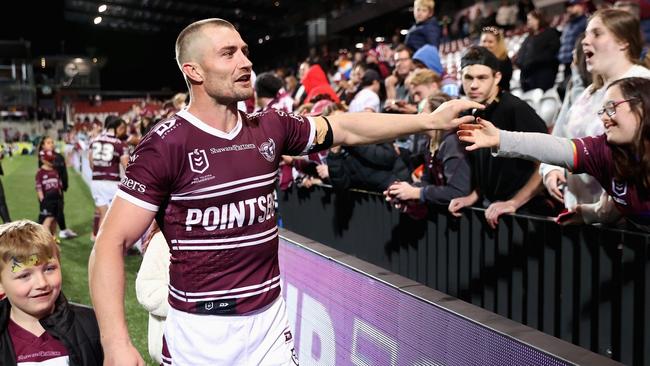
(500, 185)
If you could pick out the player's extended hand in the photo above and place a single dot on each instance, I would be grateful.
(122, 355)
(446, 116)
(497, 209)
(482, 134)
(553, 181)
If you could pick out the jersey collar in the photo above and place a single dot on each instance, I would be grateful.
(189, 117)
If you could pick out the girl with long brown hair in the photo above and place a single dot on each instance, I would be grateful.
(611, 47)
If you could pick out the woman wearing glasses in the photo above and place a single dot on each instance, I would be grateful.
(611, 48)
(619, 159)
(492, 39)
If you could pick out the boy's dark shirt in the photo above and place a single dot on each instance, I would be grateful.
(74, 325)
(499, 179)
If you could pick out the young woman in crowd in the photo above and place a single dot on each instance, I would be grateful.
(492, 38)
(612, 46)
(619, 159)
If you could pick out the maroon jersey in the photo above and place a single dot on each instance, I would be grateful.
(106, 153)
(213, 192)
(593, 155)
(48, 182)
(30, 349)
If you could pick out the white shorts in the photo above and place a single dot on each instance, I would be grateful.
(103, 191)
(261, 337)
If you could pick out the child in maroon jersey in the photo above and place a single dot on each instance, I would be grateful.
(49, 189)
(37, 324)
(47, 143)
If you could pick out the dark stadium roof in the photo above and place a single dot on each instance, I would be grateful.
(134, 42)
(255, 18)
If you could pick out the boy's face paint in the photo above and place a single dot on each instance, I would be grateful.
(32, 286)
(17, 266)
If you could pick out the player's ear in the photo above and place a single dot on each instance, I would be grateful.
(497, 77)
(193, 72)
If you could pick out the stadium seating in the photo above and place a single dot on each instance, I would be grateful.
(533, 97)
(549, 106)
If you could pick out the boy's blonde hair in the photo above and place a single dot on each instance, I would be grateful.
(422, 76)
(430, 4)
(22, 239)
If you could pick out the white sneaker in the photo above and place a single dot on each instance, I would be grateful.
(67, 234)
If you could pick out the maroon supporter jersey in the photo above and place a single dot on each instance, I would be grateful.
(31, 350)
(106, 153)
(213, 192)
(48, 182)
(593, 155)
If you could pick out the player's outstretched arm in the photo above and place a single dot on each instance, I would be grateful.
(123, 225)
(368, 128)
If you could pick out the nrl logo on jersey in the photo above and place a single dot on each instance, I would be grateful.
(267, 149)
(198, 161)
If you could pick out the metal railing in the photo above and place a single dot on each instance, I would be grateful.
(585, 284)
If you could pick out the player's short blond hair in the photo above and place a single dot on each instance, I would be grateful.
(20, 240)
(429, 4)
(187, 37)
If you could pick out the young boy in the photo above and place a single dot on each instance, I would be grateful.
(426, 29)
(49, 189)
(37, 324)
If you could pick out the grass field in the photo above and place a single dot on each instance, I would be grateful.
(19, 188)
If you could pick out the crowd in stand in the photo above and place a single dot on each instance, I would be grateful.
(544, 84)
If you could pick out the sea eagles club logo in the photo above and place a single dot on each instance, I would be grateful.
(198, 161)
(267, 150)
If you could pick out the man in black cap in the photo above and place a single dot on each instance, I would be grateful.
(500, 185)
